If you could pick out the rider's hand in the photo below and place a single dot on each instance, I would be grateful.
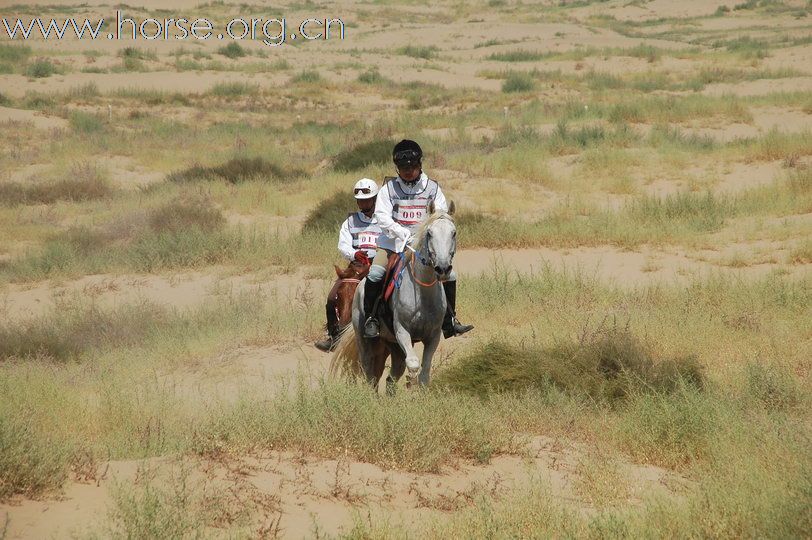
(361, 256)
(404, 235)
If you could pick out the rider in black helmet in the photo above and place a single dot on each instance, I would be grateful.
(400, 208)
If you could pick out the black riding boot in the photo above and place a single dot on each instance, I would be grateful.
(328, 344)
(451, 326)
(372, 290)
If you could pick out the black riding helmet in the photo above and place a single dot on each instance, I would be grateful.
(407, 152)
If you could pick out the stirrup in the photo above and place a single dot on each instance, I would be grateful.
(371, 328)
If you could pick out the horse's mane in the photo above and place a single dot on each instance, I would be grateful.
(420, 235)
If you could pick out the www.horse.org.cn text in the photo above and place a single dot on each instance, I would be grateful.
(273, 32)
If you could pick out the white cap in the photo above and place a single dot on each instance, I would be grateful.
(365, 184)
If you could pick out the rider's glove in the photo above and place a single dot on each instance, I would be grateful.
(362, 257)
(404, 234)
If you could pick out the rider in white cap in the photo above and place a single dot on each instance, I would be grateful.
(357, 241)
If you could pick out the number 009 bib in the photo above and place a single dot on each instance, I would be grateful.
(410, 210)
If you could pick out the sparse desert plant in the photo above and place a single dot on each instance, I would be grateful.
(520, 55)
(85, 122)
(83, 181)
(232, 50)
(409, 431)
(31, 462)
(372, 76)
(307, 76)
(234, 89)
(186, 213)
(40, 68)
(426, 52)
(517, 81)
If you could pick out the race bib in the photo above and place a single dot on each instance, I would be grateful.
(410, 214)
(367, 240)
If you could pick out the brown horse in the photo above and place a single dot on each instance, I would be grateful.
(339, 301)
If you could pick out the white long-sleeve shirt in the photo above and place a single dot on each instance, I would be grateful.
(367, 237)
(394, 234)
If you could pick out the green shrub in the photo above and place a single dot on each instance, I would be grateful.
(608, 366)
(232, 50)
(419, 51)
(40, 68)
(235, 171)
(234, 89)
(518, 82)
(307, 76)
(372, 76)
(330, 213)
(85, 122)
(364, 155)
(31, 462)
(517, 56)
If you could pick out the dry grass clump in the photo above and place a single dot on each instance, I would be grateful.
(235, 171)
(83, 181)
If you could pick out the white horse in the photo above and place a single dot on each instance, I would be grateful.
(418, 306)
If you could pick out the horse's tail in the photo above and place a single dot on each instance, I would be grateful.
(346, 361)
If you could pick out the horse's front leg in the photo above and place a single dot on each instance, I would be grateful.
(429, 348)
(404, 339)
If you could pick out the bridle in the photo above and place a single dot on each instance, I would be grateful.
(425, 261)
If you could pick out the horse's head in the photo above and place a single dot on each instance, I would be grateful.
(345, 289)
(437, 240)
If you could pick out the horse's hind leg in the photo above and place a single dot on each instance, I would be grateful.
(397, 369)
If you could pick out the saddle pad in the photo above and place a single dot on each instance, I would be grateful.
(394, 266)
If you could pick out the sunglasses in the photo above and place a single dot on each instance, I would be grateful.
(364, 190)
(406, 154)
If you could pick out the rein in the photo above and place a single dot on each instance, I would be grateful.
(414, 274)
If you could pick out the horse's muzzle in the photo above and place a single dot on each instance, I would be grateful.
(443, 271)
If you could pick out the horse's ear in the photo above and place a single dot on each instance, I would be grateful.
(451, 208)
(338, 271)
(431, 206)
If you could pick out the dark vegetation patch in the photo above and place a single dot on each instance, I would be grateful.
(608, 366)
(328, 215)
(83, 182)
(237, 170)
(365, 154)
